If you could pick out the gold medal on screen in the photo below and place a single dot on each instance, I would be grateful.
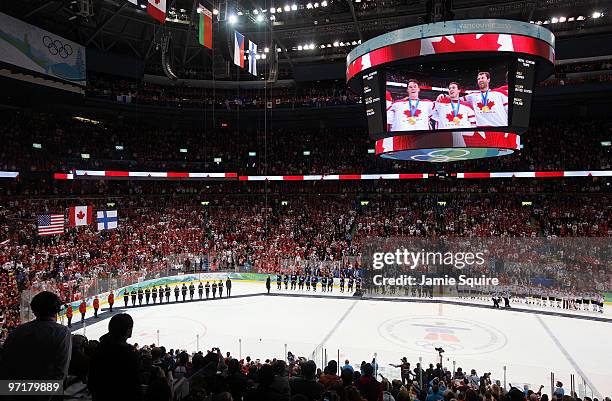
(456, 120)
(485, 109)
(411, 120)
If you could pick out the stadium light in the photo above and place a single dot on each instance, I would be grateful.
(266, 49)
(606, 143)
(306, 153)
(284, 203)
(324, 3)
(554, 20)
(257, 57)
(279, 10)
(232, 19)
(364, 203)
(580, 18)
(37, 146)
(118, 147)
(287, 8)
(255, 12)
(143, 6)
(240, 13)
(259, 18)
(316, 5)
(371, 151)
(252, 154)
(217, 160)
(205, 203)
(263, 56)
(311, 46)
(596, 14)
(215, 11)
(299, 47)
(309, 6)
(85, 155)
(294, 7)
(336, 44)
(183, 150)
(272, 17)
(526, 203)
(562, 19)
(272, 10)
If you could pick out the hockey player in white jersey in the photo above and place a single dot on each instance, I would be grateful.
(410, 113)
(452, 112)
(490, 105)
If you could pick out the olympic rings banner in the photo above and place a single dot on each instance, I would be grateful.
(35, 49)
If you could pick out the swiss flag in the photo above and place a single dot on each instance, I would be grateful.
(157, 10)
(80, 215)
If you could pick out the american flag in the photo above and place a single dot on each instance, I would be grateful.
(50, 224)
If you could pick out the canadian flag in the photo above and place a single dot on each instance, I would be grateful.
(80, 215)
(157, 10)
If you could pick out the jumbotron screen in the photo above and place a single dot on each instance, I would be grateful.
(455, 95)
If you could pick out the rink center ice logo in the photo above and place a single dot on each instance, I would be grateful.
(457, 336)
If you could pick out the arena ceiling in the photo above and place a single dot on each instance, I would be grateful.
(304, 30)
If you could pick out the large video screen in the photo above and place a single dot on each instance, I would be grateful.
(453, 95)
(447, 97)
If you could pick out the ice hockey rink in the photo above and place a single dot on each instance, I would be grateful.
(529, 345)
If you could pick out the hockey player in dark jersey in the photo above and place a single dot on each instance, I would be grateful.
(307, 282)
(126, 297)
(214, 289)
(301, 282)
(323, 283)
(286, 281)
(207, 289)
(341, 283)
(167, 292)
(279, 281)
(330, 283)
(200, 289)
(154, 295)
(350, 284)
(293, 281)
(139, 296)
(147, 293)
(358, 284)
(220, 287)
(313, 283)
(177, 291)
(184, 291)
(191, 291)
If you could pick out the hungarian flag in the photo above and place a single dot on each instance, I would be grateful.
(157, 10)
(239, 49)
(205, 36)
(80, 215)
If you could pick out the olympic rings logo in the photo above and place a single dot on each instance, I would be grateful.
(442, 155)
(56, 47)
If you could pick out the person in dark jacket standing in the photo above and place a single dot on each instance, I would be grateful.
(268, 284)
(305, 384)
(368, 386)
(105, 383)
(228, 286)
(126, 297)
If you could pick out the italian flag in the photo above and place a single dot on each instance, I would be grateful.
(205, 37)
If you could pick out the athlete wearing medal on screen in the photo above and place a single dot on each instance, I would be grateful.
(490, 105)
(451, 112)
(411, 113)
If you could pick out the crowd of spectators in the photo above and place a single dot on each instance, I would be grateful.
(52, 143)
(261, 233)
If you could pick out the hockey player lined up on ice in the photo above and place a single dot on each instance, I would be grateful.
(126, 297)
(313, 283)
(160, 294)
(350, 284)
(184, 291)
(154, 295)
(214, 289)
(279, 281)
(147, 293)
(307, 282)
(323, 284)
(220, 286)
(330, 283)
(293, 281)
(200, 289)
(207, 288)
(176, 293)
(133, 294)
(341, 283)
(301, 282)
(228, 286)
(286, 281)
(191, 291)
(358, 284)
(139, 296)
(167, 292)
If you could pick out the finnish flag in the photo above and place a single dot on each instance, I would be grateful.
(107, 219)
(252, 58)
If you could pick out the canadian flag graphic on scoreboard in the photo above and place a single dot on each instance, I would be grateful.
(80, 215)
(157, 10)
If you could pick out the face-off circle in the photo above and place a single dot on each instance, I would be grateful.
(459, 336)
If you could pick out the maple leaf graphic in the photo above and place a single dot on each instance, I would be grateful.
(451, 116)
(416, 113)
(465, 42)
(490, 104)
(80, 215)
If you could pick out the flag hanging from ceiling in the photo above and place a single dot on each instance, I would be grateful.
(157, 10)
(252, 58)
(50, 224)
(239, 49)
(106, 219)
(80, 215)
(205, 37)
